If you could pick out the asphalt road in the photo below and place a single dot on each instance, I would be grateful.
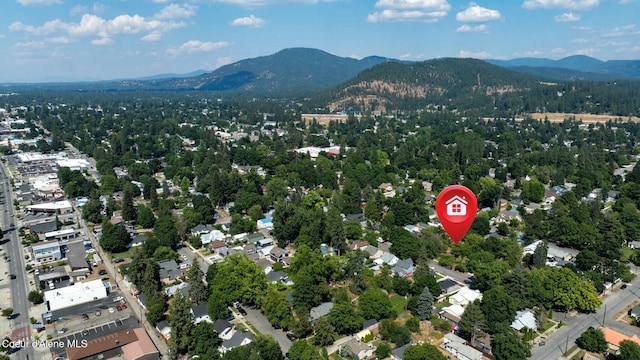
(565, 337)
(15, 257)
(262, 324)
(455, 275)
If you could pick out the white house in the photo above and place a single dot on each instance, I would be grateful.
(200, 314)
(238, 339)
(214, 235)
(525, 320)
(224, 329)
(464, 296)
(459, 348)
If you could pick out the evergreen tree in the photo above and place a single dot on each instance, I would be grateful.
(472, 321)
(181, 322)
(425, 304)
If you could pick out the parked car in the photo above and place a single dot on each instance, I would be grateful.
(85, 317)
(118, 322)
(98, 313)
(63, 330)
(623, 286)
(242, 311)
(119, 298)
(291, 337)
(85, 332)
(112, 310)
(102, 272)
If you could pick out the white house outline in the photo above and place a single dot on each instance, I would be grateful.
(456, 200)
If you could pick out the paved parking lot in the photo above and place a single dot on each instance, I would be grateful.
(80, 337)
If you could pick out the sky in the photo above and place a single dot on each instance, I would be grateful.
(80, 40)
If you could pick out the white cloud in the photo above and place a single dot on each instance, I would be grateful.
(222, 61)
(102, 41)
(475, 13)
(580, 41)
(560, 4)
(475, 55)
(469, 28)
(410, 10)
(174, 11)
(38, 2)
(95, 26)
(258, 3)
(154, 36)
(250, 21)
(193, 46)
(622, 31)
(567, 17)
(61, 40)
(405, 57)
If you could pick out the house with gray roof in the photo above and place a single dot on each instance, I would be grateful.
(398, 353)
(170, 271)
(200, 313)
(525, 320)
(238, 339)
(319, 311)
(459, 348)
(404, 268)
(224, 329)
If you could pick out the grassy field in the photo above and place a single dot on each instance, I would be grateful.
(398, 303)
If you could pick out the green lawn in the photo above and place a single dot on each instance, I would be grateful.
(125, 254)
(626, 254)
(398, 303)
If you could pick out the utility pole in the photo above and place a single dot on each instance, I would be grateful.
(604, 315)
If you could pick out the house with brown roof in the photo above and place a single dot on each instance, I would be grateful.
(614, 338)
(129, 344)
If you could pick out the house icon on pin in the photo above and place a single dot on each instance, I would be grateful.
(456, 206)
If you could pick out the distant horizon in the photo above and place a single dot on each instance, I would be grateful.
(72, 41)
(197, 72)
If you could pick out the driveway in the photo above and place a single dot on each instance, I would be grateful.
(262, 324)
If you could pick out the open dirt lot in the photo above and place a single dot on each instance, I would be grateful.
(585, 118)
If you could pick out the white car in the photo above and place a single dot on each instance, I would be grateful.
(112, 310)
(119, 298)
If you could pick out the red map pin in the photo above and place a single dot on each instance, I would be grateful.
(456, 207)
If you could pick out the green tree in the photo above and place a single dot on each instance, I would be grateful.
(413, 324)
(145, 217)
(508, 346)
(394, 332)
(498, 308)
(6, 312)
(204, 341)
(592, 340)
(198, 291)
(344, 318)
(36, 297)
(422, 352)
(323, 331)
(302, 350)
(383, 350)
(276, 308)
(425, 304)
(115, 238)
(181, 321)
(532, 191)
(375, 304)
(539, 257)
(472, 321)
(629, 350)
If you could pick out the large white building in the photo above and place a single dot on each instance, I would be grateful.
(80, 293)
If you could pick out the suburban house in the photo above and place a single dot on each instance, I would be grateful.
(459, 348)
(277, 254)
(360, 350)
(398, 353)
(224, 329)
(525, 320)
(164, 329)
(614, 338)
(201, 229)
(237, 339)
(276, 276)
(170, 271)
(448, 286)
(319, 311)
(213, 235)
(134, 344)
(464, 296)
(178, 288)
(404, 268)
(200, 314)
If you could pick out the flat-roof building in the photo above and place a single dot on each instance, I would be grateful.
(80, 293)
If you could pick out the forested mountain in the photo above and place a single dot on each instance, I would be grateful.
(583, 68)
(470, 84)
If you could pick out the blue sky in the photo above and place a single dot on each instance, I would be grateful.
(70, 40)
